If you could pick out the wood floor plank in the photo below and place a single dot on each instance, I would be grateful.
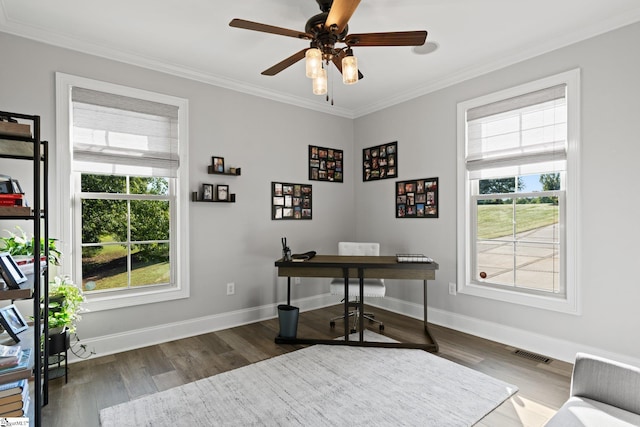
(100, 382)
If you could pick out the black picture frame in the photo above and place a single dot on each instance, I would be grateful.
(291, 201)
(326, 164)
(218, 164)
(380, 162)
(10, 272)
(12, 321)
(207, 192)
(222, 192)
(417, 198)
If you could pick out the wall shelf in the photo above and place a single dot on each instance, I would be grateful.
(197, 196)
(237, 172)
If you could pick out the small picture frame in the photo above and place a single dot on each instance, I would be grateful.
(218, 164)
(10, 272)
(207, 192)
(12, 321)
(222, 192)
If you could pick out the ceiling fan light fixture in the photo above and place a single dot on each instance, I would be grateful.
(313, 62)
(349, 68)
(320, 83)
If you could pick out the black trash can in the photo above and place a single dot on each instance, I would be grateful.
(288, 317)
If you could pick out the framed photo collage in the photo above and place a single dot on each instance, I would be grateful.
(417, 198)
(380, 162)
(325, 164)
(291, 201)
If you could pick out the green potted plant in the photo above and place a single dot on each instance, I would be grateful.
(19, 245)
(65, 306)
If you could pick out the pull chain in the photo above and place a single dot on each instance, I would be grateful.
(330, 83)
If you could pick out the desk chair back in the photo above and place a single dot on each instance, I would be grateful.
(372, 287)
(358, 248)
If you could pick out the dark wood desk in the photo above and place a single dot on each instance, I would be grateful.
(362, 267)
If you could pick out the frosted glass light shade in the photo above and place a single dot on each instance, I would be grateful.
(349, 70)
(320, 83)
(313, 62)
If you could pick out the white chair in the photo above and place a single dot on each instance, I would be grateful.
(603, 392)
(372, 287)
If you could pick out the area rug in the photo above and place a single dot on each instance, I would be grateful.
(325, 385)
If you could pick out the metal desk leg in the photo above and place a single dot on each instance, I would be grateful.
(346, 304)
(433, 348)
(361, 305)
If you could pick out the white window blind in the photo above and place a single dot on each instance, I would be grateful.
(120, 135)
(530, 130)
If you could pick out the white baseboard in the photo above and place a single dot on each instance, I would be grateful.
(138, 338)
(530, 341)
(526, 340)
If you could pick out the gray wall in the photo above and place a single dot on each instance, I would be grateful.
(269, 140)
(608, 282)
(228, 242)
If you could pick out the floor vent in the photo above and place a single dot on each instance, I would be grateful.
(532, 356)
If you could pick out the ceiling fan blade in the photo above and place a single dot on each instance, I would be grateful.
(401, 38)
(340, 13)
(337, 61)
(264, 28)
(286, 63)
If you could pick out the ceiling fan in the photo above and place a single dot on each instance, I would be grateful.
(324, 31)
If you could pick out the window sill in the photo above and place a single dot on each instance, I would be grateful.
(112, 300)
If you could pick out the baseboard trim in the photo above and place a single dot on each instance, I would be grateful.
(537, 343)
(514, 337)
(138, 338)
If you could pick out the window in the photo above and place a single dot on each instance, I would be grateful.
(517, 189)
(126, 153)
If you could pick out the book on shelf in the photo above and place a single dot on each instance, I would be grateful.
(19, 412)
(13, 388)
(8, 403)
(23, 363)
(9, 351)
(10, 408)
(413, 258)
(8, 362)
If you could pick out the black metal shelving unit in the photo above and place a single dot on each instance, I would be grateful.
(32, 149)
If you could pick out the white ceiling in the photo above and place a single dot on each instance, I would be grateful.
(193, 39)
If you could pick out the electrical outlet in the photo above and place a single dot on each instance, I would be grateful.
(452, 288)
(296, 280)
(231, 288)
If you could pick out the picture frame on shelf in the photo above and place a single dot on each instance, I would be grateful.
(10, 272)
(12, 321)
(325, 164)
(222, 192)
(417, 198)
(218, 164)
(207, 192)
(380, 162)
(291, 201)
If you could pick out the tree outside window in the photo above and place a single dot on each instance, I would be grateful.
(125, 231)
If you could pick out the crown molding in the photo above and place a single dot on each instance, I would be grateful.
(493, 64)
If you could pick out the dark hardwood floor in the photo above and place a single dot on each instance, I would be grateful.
(100, 382)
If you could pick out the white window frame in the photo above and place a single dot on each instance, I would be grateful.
(569, 223)
(69, 205)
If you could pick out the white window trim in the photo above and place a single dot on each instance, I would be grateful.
(570, 303)
(107, 301)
